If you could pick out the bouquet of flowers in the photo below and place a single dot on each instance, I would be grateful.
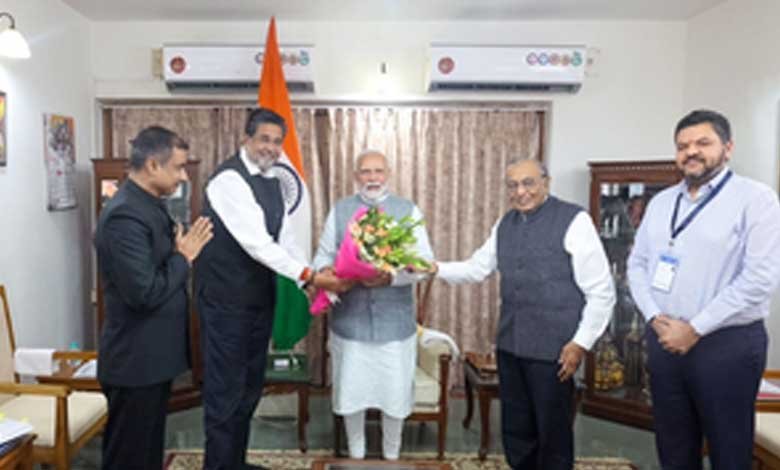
(373, 242)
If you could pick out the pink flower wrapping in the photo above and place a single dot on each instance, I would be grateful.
(347, 265)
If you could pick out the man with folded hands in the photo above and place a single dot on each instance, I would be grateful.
(144, 261)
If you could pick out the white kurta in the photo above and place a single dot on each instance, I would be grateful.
(373, 375)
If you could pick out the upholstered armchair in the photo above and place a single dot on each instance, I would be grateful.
(431, 387)
(64, 419)
(431, 377)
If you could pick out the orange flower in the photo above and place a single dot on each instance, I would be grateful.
(383, 250)
(355, 230)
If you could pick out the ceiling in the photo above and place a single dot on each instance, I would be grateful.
(389, 10)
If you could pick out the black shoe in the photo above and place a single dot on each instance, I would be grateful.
(250, 466)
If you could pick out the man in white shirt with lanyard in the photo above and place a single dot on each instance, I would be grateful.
(705, 262)
(557, 297)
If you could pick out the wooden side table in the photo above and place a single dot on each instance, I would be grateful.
(296, 378)
(486, 385)
(769, 404)
(21, 456)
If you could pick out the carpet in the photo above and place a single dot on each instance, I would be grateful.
(294, 460)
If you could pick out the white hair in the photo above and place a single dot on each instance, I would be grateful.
(367, 152)
(542, 166)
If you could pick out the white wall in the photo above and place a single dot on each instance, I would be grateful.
(627, 111)
(732, 67)
(44, 256)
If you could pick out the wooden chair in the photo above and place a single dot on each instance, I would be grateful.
(431, 382)
(63, 419)
(766, 447)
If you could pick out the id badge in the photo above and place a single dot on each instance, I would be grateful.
(665, 271)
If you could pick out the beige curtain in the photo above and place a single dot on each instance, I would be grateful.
(199, 126)
(449, 160)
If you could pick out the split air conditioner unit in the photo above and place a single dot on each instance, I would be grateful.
(225, 67)
(506, 68)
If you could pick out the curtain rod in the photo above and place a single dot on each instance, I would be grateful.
(483, 106)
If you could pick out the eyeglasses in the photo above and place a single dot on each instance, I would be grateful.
(366, 172)
(529, 184)
(266, 139)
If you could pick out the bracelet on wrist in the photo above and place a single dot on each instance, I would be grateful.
(307, 276)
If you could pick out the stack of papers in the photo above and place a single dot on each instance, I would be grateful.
(768, 390)
(88, 370)
(34, 361)
(11, 429)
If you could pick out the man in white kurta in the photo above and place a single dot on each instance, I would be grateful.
(372, 329)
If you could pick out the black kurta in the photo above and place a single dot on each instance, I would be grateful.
(144, 339)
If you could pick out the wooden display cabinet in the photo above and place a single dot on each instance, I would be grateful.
(184, 207)
(616, 380)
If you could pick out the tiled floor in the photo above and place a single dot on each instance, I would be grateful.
(594, 437)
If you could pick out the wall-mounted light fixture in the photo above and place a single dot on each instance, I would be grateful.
(12, 43)
(385, 83)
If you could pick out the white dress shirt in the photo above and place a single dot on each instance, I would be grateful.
(728, 257)
(589, 264)
(232, 199)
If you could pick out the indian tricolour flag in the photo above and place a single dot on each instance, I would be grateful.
(292, 315)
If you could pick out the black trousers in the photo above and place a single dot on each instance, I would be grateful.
(709, 392)
(235, 345)
(134, 437)
(536, 412)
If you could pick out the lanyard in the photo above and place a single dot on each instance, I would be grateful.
(687, 221)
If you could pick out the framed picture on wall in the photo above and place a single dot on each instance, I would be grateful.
(3, 133)
(59, 144)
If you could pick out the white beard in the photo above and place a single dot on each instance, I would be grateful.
(265, 163)
(373, 194)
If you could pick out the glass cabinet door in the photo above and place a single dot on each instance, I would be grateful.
(617, 381)
(620, 353)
